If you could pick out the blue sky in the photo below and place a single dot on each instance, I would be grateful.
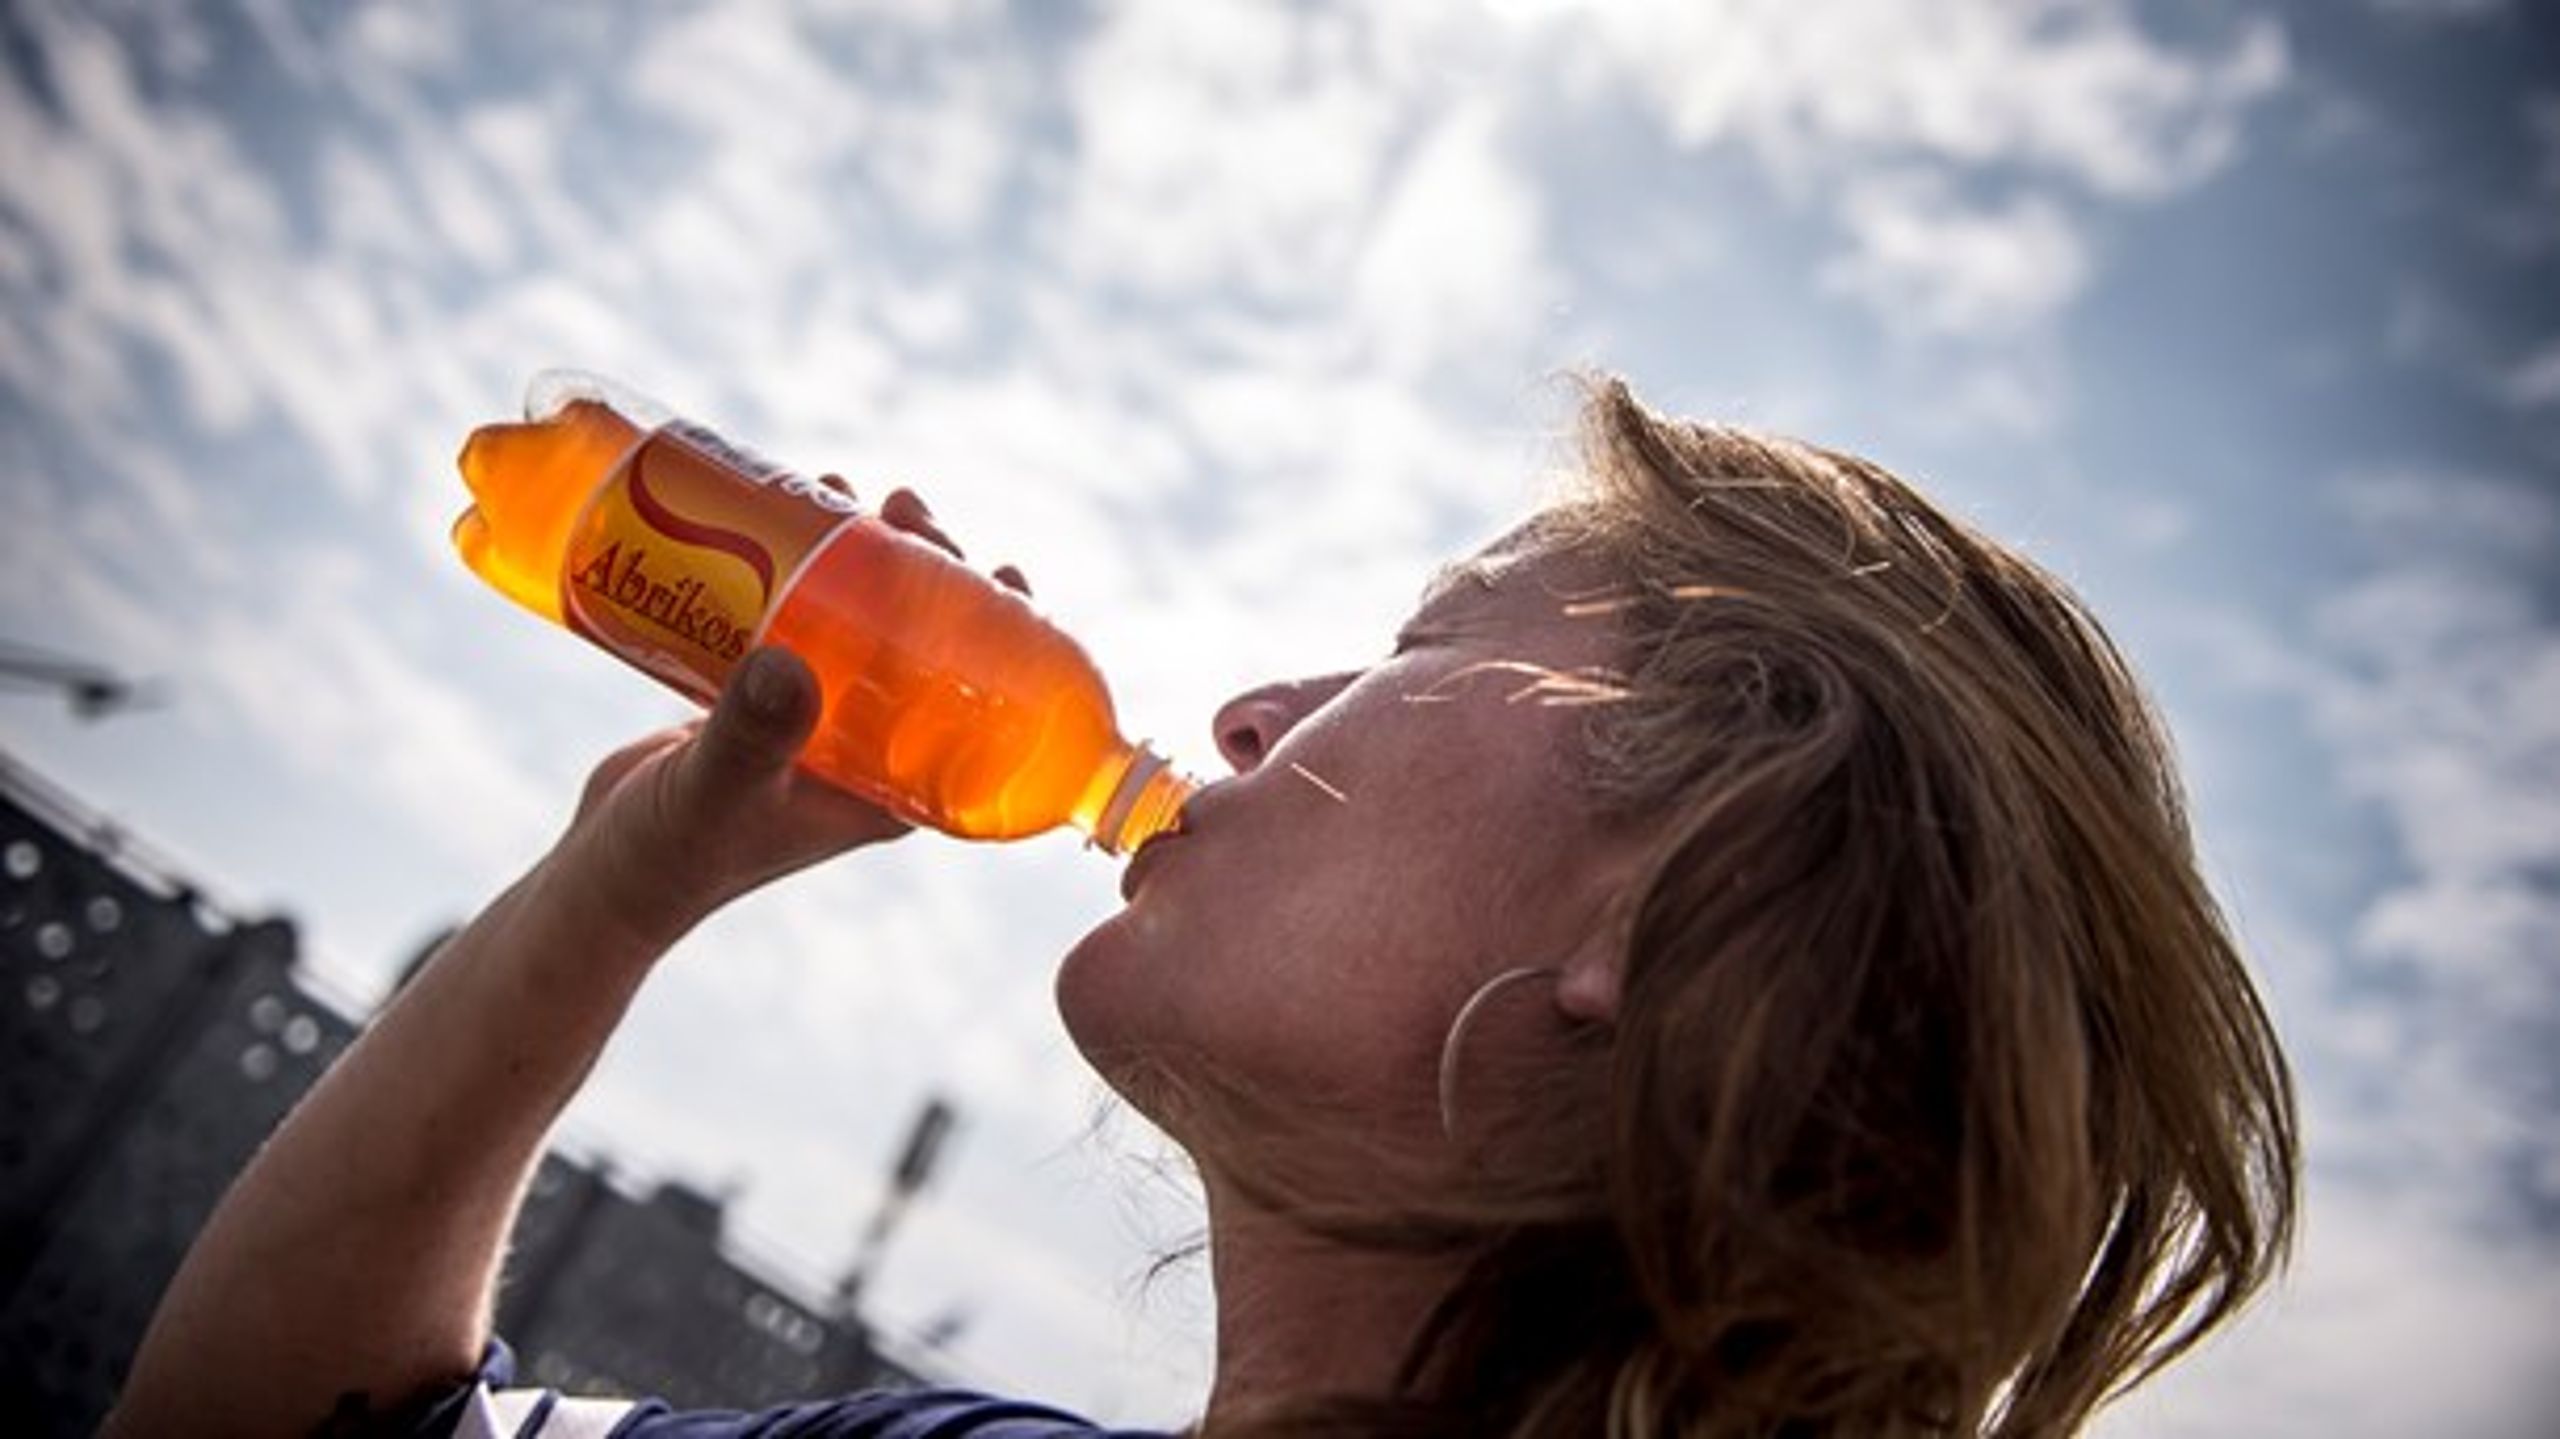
(1227, 320)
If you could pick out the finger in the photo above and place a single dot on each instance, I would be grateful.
(905, 510)
(610, 771)
(1012, 579)
(756, 727)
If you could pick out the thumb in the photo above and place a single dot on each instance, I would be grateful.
(763, 716)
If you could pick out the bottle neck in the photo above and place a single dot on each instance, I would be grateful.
(1146, 802)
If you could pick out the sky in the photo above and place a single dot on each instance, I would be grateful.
(1226, 321)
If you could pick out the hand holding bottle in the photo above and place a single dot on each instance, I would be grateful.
(677, 823)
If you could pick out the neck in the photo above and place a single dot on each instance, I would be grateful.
(1302, 1316)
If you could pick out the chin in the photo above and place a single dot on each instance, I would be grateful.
(1112, 994)
(1102, 991)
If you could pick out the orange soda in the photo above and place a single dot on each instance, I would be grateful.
(948, 699)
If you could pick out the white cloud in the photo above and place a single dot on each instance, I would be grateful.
(403, 38)
(2394, 1321)
(1927, 263)
(946, 156)
(2433, 681)
(1224, 146)
(2424, 1298)
(2445, 711)
(2448, 705)
(111, 179)
(1455, 266)
(2533, 383)
(1877, 113)
(325, 686)
(2076, 90)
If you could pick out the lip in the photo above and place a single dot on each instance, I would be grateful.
(1143, 863)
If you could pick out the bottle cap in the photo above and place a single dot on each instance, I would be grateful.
(1147, 802)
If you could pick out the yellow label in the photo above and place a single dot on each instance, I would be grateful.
(683, 552)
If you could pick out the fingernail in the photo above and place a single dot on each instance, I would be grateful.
(764, 684)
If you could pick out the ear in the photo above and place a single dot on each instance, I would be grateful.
(1588, 985)
(1590, 979)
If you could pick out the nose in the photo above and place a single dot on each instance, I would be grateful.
(1252, 724)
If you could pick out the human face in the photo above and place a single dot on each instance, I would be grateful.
(1392, 837)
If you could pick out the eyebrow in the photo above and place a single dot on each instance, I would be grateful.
(1456, 574)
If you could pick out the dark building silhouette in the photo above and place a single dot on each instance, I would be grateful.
(611, 1294)
(149, 1041)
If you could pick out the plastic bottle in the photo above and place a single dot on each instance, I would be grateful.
(949, 700)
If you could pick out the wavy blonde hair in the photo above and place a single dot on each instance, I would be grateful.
(1939, 1100)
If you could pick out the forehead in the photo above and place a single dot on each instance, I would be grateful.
(1529, 563)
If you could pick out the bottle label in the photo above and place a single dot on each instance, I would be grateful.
(685, 549)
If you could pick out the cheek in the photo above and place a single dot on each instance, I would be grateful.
(1315, 995)
(1326, 955)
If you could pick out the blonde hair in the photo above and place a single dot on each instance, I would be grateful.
(1938, 1100)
